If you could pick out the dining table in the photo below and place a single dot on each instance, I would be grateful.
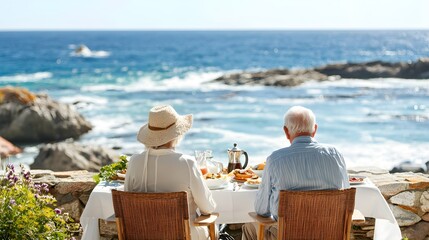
(234, 202)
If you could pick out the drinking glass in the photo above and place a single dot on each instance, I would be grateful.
(200, 156)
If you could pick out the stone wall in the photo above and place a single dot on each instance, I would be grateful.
(406, 193)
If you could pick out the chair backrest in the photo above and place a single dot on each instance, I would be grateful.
(152, 215)
(324, 214)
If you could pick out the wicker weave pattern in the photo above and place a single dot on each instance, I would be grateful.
(152, 215)
(316, 214)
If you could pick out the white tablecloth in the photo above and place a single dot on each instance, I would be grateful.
(233, 207)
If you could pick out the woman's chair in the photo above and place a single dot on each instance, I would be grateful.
(324, 214)
(155, 216)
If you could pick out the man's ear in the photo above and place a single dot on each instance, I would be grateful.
(286, 132)
(315, 130)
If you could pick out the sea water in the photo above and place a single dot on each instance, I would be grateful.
(377, 122)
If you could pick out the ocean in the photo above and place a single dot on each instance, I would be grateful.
(376, 122)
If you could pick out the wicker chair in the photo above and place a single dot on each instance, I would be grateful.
(155, 216)
(325, 214)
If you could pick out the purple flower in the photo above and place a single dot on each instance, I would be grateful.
(37, 187)
(12, 202)
(45, 187)
(57, 211)
(27, 175)
(36, 196)
(9, 175)
(15, 179)
(11, 167)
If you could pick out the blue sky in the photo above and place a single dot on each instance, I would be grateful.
(213, 14)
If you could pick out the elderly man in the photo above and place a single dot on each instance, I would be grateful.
(304, 165)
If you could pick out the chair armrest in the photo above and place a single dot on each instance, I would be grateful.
(262, 220)
(358, 217)
(206, 220)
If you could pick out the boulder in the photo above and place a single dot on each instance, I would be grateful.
(67, 156)
(28, 119)
(7, 148)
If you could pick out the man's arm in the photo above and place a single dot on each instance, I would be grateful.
(262, 202)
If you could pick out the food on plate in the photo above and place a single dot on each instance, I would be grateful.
(212, 175)
(254, 181)
(259, 166)
(243, 174)
(356, 179)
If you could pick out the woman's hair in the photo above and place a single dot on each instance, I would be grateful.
(299, 120)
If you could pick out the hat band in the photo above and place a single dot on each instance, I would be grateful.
(160, 129)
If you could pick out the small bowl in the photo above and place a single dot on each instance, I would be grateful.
(258, 172)
(217, 182)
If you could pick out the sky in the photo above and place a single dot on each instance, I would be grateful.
(213, 14)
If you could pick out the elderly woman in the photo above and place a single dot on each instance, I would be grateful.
(161, 169)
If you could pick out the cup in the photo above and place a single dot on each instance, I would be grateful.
(200, 156)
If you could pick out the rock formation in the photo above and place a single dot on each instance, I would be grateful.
(66, 156)
(273, 77)
(29, 118)
(7, 148)
(290, 78)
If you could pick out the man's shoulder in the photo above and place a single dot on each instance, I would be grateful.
(279, 153)
(327, 148)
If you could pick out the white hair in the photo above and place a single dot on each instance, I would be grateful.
(300, 120)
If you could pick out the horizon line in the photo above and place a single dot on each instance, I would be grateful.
(213, 30)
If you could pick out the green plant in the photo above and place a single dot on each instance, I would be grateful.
(109, 172)
(27, 209)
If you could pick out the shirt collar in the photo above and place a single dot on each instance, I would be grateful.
(161, 151)
(303, 139)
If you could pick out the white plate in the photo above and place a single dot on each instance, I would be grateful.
(219, 187)
(357, 176)
(251, 185)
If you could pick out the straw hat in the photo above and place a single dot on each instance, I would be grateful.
(163, 126)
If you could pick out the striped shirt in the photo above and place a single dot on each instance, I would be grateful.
(304, 165)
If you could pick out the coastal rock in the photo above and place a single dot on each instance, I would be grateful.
(409, 166)
(7, 148)
(366, 70)
(404, 217)
(67, 156)
(376, 69)
(39, 119)
(274, 77)
(407, 198)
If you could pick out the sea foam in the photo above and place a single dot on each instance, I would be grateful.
(30, 77)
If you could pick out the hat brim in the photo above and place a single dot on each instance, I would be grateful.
(154, 138)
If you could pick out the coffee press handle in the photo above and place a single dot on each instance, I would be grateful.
(247, 159)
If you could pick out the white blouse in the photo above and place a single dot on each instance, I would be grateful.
(164, 170)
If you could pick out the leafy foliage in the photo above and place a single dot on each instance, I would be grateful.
(26, 209)
(109, 172)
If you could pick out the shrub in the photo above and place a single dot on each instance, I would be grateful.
(27, 209)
